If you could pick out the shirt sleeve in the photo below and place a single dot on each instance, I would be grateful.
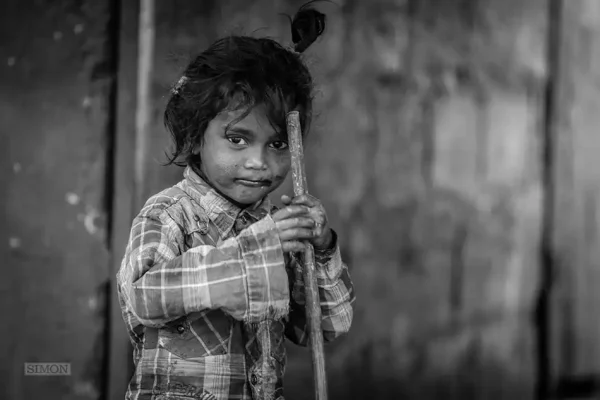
(244, 276)
(336, 297)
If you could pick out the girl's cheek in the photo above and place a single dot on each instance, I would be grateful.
(284, 167)
(286, 159)
(281, 161)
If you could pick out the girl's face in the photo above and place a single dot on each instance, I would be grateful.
(245, 161)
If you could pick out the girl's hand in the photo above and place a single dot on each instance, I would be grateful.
(294, 225)
(316, 212)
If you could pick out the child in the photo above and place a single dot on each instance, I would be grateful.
(210, 261)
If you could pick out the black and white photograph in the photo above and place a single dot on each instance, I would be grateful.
(300, 199)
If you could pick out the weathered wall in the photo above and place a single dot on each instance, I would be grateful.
(55, 79)
(427, 155)
(442, 228)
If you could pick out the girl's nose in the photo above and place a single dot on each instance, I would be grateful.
(256, 159)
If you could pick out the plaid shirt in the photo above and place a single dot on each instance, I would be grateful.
(198, 272)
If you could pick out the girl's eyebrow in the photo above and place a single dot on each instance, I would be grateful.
(251, 133)
(238, 129)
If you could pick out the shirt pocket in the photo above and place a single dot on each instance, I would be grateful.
(205, 334)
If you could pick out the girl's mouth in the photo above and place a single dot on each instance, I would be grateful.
(253, 183)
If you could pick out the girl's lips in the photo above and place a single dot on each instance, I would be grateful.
(251, 183)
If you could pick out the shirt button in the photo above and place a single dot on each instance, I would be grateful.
(180, 328)
(203, 226)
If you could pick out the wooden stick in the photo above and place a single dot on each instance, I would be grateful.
(313, 309)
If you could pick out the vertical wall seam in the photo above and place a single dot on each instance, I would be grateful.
(109, 182)
(543, 321)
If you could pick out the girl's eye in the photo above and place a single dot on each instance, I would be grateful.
(237, 140)
(279, 145)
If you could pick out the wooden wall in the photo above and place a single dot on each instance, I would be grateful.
(454, 151)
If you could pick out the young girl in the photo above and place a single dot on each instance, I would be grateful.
(209, 260)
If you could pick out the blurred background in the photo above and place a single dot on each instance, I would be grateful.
(454, 149)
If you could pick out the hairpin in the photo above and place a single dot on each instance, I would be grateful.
(179, 85)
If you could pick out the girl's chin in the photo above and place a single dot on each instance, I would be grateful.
(248, 197)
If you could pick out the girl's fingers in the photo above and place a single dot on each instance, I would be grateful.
(296, 234)
(320, 220)
(316, 209)
(286, 200)
(294, 246)
(306, 200)
(297, 222)
(290, 212)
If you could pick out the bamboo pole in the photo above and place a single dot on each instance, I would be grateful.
(313, 309)
(143, 116)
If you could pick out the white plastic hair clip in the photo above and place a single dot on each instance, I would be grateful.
(179, 85)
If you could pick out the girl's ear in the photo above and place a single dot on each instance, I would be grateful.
(196, 149)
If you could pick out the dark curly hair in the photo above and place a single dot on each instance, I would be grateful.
(240, 72)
